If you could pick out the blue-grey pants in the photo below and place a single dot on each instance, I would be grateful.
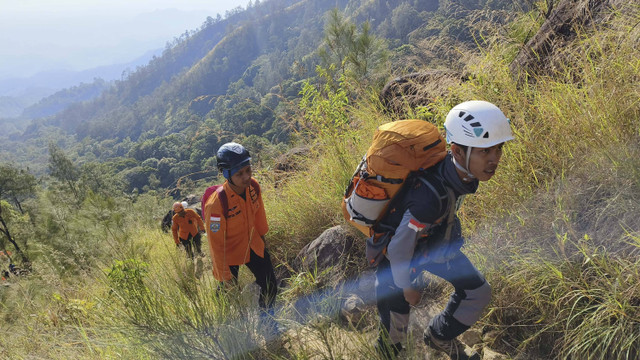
(471, 295)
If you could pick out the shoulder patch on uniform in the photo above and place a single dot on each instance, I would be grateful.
(415, 225)
(214, 223)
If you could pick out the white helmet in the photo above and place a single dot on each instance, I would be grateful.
(477, 124)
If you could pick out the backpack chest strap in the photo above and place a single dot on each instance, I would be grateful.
(449, 198)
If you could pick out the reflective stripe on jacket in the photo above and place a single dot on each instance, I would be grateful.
(231, 236)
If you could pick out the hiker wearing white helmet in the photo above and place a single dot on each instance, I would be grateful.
(476, 124)
(426, 235)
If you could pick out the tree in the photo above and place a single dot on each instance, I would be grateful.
(338, 39)
(15, 184)
(62, 169)
(356, 54)
(404, 19)
(4, 230)
(98, 178)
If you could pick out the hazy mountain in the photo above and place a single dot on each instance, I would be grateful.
(59, 79)
(16, 94)
(241, 76)
(88, 39)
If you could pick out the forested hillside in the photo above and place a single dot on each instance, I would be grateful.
(88, 273)
(241, 76)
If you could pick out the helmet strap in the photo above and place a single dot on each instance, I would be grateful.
(469, 148)
(469, 176)
(227, 175)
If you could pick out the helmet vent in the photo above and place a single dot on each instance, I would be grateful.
(477, 123)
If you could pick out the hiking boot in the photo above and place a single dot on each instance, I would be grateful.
(270, 326)
(455, 349)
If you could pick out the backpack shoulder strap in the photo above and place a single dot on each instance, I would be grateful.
(447, 202)
(451, 214)
(222, 195)
(430, 186)
(447, 197)
(255, 185)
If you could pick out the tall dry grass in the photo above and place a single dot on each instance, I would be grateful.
(555, 231)
(560, 240)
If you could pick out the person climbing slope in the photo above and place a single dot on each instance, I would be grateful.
(236, 224)
(426, 235)
(186, 228)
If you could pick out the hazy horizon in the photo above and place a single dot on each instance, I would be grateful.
(38, 35)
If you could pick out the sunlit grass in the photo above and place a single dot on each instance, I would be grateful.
(583, 307)
(556, 232)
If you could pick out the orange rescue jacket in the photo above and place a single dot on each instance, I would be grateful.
(231, 236)
(189, 224)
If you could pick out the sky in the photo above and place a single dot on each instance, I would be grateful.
(41, 35)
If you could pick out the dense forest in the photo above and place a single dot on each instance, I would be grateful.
(87, 173)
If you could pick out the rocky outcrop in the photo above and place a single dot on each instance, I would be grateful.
(291, 160)
(417, 89)
(332, 251)
(543, 53)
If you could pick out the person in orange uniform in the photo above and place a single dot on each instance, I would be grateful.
(236, 224)
(186, 228)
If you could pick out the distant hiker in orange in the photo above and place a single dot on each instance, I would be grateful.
(236, 224)
(186, 228)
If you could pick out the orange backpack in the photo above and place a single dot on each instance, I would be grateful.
(398, 149)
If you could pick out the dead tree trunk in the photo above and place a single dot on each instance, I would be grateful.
(5, 230)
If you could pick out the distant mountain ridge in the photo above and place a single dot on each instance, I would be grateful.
(28, 91)
(240, 77)
(203, 63)
(60, 79)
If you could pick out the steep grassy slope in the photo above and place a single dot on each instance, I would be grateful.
(555, 231)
